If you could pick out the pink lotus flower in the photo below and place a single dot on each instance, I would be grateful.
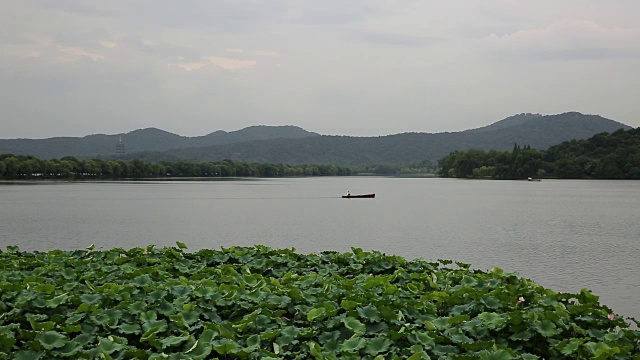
(520, 299)
(611, 316)
(283, 317)
(488, 284)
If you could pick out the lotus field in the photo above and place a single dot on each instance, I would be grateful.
(262, 303)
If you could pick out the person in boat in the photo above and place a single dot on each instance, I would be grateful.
(348, 193)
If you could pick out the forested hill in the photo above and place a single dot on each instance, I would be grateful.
(604, 156)
(540, 132)
(149, 139)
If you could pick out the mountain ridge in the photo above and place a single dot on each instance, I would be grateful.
(294, 145)
(146, 139)
(538, 132)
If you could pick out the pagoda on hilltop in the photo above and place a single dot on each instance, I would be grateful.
(120, 146)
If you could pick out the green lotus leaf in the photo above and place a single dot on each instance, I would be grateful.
(40, 326)
(420, 355)
(148, 316)
(587, 298)
(156, 295)
(613, 336)
(571, 346)
(171, 341)
(315, 313)
(107, 318)
(276, 301)
(527, 356)
(348, 304)
(130, 329)
(462, 309)
(522, 336)
(150, 334)
(181, 245)
(354, 325)
(546, 328)
(370, 313)
(445, 350)
(392, 308)
(90, 298)
(44, 288)
(166, 308)
(262, 320)
(29, 355)
(598, 334)
(423, 338)
(291, 331)
(461, 338)
(143, 280)
(315, 350)
(7, 337)
(440, 323)
(106, 346)
(430, 326)
(83, 308)
(84, 338)
(224, 346)
(598, 348)
(468, 281)
(205, 291)
(179, 291)
(257, 295)
(493, 320)
(202, 347)
(52, 339)
(458, 319)
(353, 344)
(377, 345)
(495, 355)
(491, 302)
(56, 301)
(137, 307)
(70, 349)
(253, 341)
(376, 328)
(72, 328)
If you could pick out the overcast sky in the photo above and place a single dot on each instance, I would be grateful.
(347, 67)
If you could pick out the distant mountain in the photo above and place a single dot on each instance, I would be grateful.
(293, 145)
(150, 139)
(539, 132)
(511, 121)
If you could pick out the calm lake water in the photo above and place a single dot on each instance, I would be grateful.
(566, 235)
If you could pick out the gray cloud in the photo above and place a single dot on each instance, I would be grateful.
(569, 40)
(376, 38)
(363, 67)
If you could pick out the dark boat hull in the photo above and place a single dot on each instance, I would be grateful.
(365, 196)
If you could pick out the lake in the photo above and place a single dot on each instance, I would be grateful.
(564, 234)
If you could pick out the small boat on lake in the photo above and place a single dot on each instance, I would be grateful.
(363, 196)
(532, 179)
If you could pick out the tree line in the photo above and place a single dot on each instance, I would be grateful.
(28, 167)
(69, 167)
(604, 156)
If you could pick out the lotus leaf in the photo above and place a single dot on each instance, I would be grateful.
(51, 339)
(256, 302)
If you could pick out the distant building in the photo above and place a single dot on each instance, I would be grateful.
(120, 146)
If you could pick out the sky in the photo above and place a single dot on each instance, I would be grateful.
(336, 67)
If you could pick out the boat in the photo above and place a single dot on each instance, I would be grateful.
(532, 179)
(363, 196)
